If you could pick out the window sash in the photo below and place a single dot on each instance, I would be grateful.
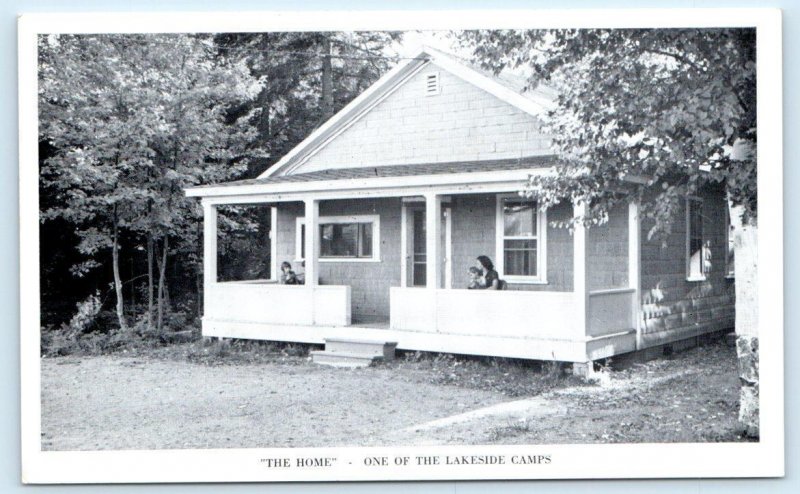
(695, 241)
(519, 253)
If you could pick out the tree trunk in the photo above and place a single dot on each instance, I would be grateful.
(745, 244)
(150, 248)
(117, 277)
(327, 78)
(161, 278)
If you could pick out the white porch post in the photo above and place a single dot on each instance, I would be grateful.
(580, 272)
(273, 244)
(433, 250)
(209, 250)
(581, 288)
(312, 242)
(403, 245)
(634, 267)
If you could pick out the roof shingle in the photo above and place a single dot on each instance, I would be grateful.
(400, 171)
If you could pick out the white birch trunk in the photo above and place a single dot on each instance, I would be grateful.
(745, 241)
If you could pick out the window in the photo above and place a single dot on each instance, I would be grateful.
(729, 259)
(520, 240)
(698, 249)
(432, 84)
(343, 238)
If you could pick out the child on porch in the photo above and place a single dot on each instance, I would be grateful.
(288, 277)
(474, 278)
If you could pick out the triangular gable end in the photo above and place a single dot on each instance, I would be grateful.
(425, 112)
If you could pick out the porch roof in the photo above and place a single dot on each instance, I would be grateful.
(385, 172)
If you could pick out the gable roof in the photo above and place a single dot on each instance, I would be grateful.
(506, 87)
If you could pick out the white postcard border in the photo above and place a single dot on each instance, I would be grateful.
(762, 459)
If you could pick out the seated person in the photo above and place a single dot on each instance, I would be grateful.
(288, 277)
(491, 279)
(301, 276)
(475, 282)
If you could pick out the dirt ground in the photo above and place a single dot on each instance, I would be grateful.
(154, 401)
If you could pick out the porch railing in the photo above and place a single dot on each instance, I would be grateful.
(271, 303)
(610, 311)
(536, 314)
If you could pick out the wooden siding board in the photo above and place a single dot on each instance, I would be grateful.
(607, 256)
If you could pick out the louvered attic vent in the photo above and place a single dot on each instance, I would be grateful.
(432, 84)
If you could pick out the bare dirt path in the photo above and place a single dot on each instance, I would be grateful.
(114, 402)
(124, 403)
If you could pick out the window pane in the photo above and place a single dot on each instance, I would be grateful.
(303, 241)
(519, 218)
(346, 240)
(695, 227)
(729, 259)
(519, 257)
(366, 239)
(339, 240)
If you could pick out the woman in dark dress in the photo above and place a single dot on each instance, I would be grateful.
(491, 280)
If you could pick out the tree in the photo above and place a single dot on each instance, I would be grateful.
(654, 115)
(307, 77)
(134, 119)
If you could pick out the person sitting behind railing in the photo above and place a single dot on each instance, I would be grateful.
(491, 280)
(288, 277)
(301, 276)
(474, 278)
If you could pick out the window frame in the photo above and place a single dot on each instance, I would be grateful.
(730, 267)
(373, 219)
(541, 244)
(688, 253)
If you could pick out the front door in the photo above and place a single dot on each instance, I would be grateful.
(419, 257)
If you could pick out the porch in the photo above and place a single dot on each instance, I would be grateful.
(418, 248)
(439, 320)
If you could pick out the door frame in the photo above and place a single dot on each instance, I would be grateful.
(406, 237)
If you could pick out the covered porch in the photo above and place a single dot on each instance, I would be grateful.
(422, 256)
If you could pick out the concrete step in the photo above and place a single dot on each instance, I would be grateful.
(344, 359)
(379, 348)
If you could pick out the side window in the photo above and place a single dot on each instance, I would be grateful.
(698, 248)
(729, 260)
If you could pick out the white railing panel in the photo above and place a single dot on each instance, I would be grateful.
(610, 311)
(412, 309)
(484, 312)
(278, 304)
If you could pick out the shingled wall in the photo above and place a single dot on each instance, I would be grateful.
(672, 307)
(461, 123)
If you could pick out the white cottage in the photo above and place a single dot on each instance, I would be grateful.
(391, 200)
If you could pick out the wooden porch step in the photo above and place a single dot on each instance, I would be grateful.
(344, 359)
(370, 348)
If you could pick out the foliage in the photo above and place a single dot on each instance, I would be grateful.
(653, 114)
(132, 120)
(128, 121)
(86, 313)
(292, 66)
